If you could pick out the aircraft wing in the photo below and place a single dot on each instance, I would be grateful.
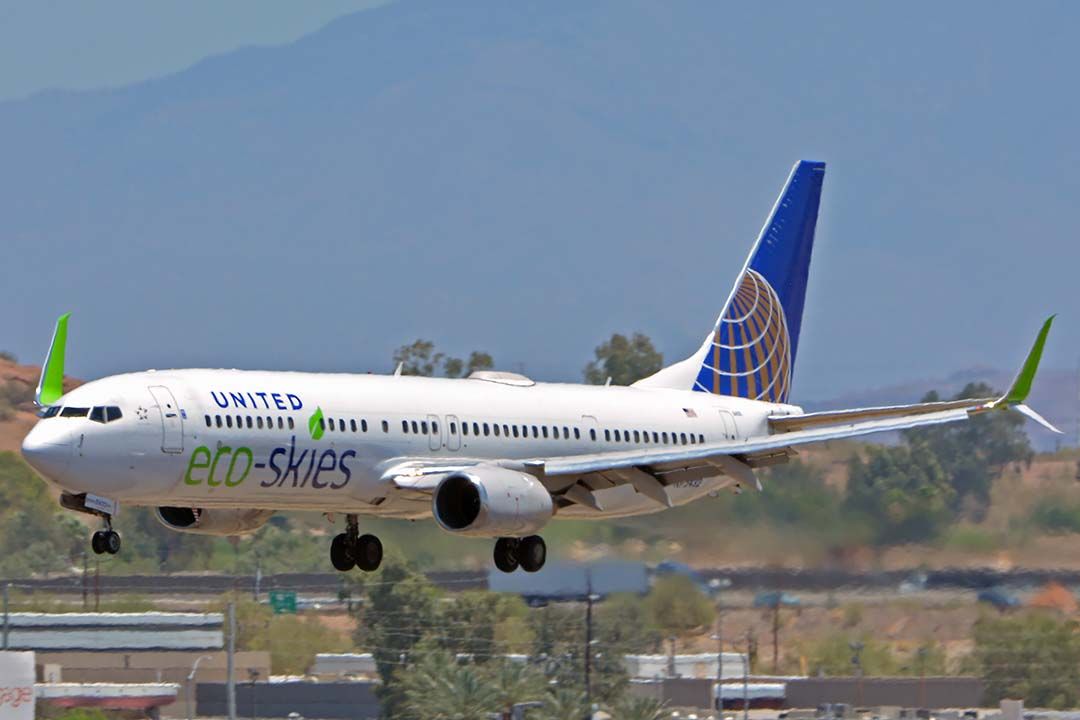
(574, 479)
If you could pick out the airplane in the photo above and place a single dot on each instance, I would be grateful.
(494, 455)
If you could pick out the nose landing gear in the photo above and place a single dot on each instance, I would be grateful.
(351, 549)
(105, 541)
(529, 553)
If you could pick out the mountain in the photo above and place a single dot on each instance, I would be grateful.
(526, 178)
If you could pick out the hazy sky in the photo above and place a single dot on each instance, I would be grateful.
(45, 44)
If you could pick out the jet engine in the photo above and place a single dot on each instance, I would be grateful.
(491, 501)
(212, 522)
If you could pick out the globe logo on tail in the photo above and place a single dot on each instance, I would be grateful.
(750, 355)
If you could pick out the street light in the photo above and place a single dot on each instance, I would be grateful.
(717, 585)
(191, 680)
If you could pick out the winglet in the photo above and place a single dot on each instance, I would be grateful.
(1021, 386)
(51, 385)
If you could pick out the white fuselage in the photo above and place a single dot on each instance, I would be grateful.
(250, 439)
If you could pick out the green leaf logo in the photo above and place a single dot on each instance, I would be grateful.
(315, 424)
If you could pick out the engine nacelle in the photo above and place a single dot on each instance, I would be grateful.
(489, 501)
(212, 522)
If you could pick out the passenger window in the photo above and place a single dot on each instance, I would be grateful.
(655, 437)
(663, 436)
(292, 425)
(228, 420)
(617, 436)
(434, 428)
(515, 429)
(363, 425)
(645, 436)
(496, 430)
(566, 432)
(506, 431)
(592, 434)
(415, 427)
(637, 436)
(250, 423)
(476, 429)
(239, 421)
(352, 424)
(423, 427)
(577, 434)
(322, 424)
(485, 429)
(103, 417)
(405, 426)
(701, 439)
(544, 429)
(330, 423)
(464, 428)
(258, 422)
(453, 428)
(341, 425)
(693, 440)
(607, 435)
(683, 438)
(217, 420)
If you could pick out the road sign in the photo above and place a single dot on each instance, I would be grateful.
(283, 602)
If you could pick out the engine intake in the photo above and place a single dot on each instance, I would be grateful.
(489, 501)
(212, 522)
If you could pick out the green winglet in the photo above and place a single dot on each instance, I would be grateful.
(1022, 384)
(315, 424)
(51, 385)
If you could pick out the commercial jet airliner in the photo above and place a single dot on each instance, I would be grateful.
(494, 455)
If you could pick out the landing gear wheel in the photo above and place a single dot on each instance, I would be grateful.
(97, 542)
(506, 557)
(368, 553)
(532, 553)
(112, 542)
(105, 541)
(341, 554)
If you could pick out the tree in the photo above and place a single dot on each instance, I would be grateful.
(835, 655)
(420, 358)
(399, 615)
(564, 703)
(1035, 657)
(677, 606)
(515, 682)
(902, 491)
(437, 687)
(640, 708)
(973, 453)
(624, 360)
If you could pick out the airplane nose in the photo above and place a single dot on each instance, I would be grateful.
(48, 450)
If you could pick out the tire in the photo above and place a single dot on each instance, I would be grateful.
(112, 542)
(340, 553)
(97, 542)
(506, 557)
(368, 553)
(532, 553)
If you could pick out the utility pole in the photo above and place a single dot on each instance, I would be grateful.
(746, 680)
(230, 670)
(588, 638)
(7, 615)
(856, 661)
(97, 584)
(718, 585)
(85, 585)
(776, 636)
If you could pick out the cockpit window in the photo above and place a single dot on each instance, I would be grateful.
(97, 414)
(48, 412)
(74, 412)
(112, 413)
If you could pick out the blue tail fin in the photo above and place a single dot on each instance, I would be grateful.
(754, 342)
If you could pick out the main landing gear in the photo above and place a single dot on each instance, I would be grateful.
(351, 549)
(105, 541)
(528, 553)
